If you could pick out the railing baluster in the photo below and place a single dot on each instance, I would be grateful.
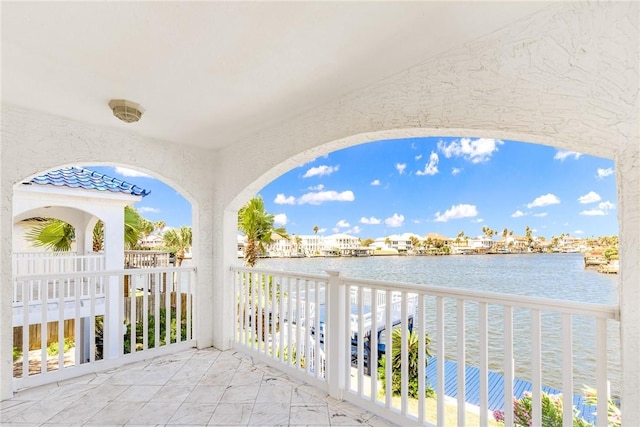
(567, 367)
(484, 363)
(281, 315)
(440, 336)
(316, 352)
(420, 331)
(26, 284)
(134, 321)
(145, 313)
(156, 310)
(373, 345)
(601, 373)
(508, 365)
(388, 327)
(44, 294)
(307, 325)
(404, 351)
(360, 341)
(272, 317)
(461, 361)
(298, 328)
(179, 308)
(536, 368)
(61, 336)
(92, 316)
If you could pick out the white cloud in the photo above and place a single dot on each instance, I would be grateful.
(578, 232)
(318, 187)
(401, 167)
(322, 230)
(343, 224)
(545, 200)
(280, 219)
(144, 209)
(602, 173)
(430, 168)
(455, 171)
(593, 212)
(456, 212)
(590, 197)
(561, 155)
(355, 230)
(517, 214)
(371, 220)
(375, 182)
(326, 196)
(478, 220)
(419, 156)
(475, 150)
(541, 214)
(603, 209)
(131, 173)
(395, 220)
(281, 199)
(335, 229)
(320, 171)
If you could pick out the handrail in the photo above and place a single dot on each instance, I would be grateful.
(127, 271)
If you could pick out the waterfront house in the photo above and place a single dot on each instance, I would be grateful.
(226, 114)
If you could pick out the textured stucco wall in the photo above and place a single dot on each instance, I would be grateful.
(566, 77)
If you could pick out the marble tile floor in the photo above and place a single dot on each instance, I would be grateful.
(189, 388)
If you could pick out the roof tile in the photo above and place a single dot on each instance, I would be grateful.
(74, 177)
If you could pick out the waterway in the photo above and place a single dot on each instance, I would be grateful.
(556, 276)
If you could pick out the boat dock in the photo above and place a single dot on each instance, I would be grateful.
(495, 388)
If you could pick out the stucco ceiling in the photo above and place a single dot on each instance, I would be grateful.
(211, 73)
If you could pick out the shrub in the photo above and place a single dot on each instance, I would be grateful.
(413, 364)
(551, 412)
(53, 349)
(151, 337)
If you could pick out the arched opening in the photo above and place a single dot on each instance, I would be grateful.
(93, 278)
(533, 251)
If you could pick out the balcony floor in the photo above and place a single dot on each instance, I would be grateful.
(193, 387)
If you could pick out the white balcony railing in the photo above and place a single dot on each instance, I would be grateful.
(101, 319)
(55, 262)
(320, 328)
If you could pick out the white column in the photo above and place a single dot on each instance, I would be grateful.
(6, 290)
(628, 176)
(202, 252)
(114, 260)
(335, 338)
(226, 226)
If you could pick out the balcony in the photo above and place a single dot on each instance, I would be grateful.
(309, 335)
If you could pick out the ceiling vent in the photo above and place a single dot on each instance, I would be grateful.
(127, 111)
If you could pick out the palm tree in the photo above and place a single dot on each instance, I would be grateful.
(178, 241)
(159, 226)
(412, 359)
(315, 229)
(415, 242)
(56, 235)
(257, 226)
(52, 234)
(527, 233)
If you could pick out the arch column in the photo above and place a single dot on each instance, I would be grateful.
(628, 176)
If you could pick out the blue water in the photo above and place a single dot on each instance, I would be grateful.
(556, 276)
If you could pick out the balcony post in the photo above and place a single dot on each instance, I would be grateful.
(335, 338)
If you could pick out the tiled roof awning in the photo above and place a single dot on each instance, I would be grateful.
(74, 177)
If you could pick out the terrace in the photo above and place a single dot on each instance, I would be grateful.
(277, 315)
(220, 127)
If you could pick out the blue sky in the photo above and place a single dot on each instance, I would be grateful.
(423, 185)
